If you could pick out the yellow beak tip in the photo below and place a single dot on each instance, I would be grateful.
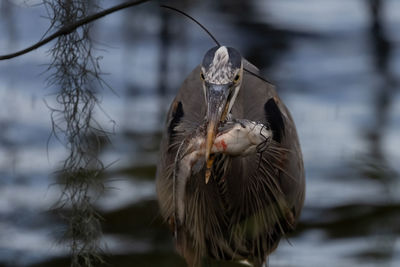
(208, 174)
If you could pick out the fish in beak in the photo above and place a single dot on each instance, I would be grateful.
(217, 110)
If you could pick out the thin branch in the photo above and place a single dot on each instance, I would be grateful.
(195, 21)
(67, 29)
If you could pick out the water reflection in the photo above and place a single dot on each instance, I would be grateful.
(337, 78)
(374, 164)
(383, 96)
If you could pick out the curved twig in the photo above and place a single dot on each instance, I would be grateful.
(66, 29)
(195, 21)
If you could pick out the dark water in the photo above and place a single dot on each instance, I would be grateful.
(337, 68)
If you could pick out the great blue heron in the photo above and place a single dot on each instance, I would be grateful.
(230, 180)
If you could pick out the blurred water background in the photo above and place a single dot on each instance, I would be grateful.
(337, 67)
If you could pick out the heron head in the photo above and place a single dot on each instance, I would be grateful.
(221, 75)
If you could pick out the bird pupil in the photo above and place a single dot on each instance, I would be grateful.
(236, 77)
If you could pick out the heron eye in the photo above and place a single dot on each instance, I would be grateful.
(202, 76)
(236, 78)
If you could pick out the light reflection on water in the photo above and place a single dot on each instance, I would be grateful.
(326, 64)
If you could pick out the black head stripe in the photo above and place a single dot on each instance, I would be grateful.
(234, 58)
(274, 117)
(209, 57)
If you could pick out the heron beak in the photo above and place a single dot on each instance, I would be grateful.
(217, 110)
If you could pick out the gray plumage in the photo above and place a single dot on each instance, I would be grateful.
(250, 201)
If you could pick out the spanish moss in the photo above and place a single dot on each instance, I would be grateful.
(75, 71)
